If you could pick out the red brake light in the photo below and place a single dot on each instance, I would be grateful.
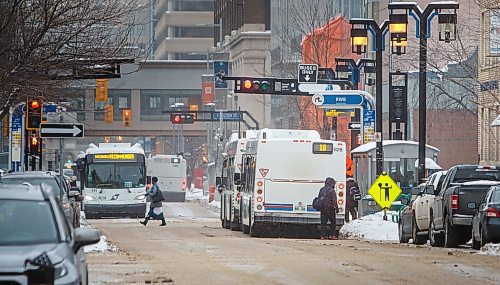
(454, 202)
(341, 194)
(492, 212)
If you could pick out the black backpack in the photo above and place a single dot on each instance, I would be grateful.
(318, 201)
(354, 193)
(158, 197)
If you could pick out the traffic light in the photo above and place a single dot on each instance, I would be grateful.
(181, 118)
(252, 85)
(126, 117)
(34, 145)
(108, 114)
(33, 113)
(101, 90)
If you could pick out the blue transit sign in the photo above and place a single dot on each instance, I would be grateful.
(229, 116)
(368, 116)
(17, 123)
(221, 69)
(337, 99)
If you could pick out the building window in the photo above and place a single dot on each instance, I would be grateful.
(190, 56)
(154, 103)
(194, 32)
(193, 5)
(119, 99)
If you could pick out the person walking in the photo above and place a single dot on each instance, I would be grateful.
(155, 209)
(329, 207)
(351, 206)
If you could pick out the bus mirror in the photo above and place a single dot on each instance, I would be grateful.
(237, 179)
(218, 181)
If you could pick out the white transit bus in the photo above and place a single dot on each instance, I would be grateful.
(283, 170)
(231, 176)
(171, 171)
(113, 180)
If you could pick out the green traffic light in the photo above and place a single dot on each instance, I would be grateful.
(264, 85)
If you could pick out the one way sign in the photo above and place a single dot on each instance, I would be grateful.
(308, 73)
(61, 130)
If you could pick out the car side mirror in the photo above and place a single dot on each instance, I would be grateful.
(85, 236)
(405, 201)
(472, 205)
(73, 193)
(429, 189)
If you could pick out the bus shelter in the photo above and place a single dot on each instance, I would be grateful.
(400, 159)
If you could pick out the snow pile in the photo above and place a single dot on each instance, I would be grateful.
(490, 249)
(102, 246)
(215, 204)
(195, 194)
(371, 227)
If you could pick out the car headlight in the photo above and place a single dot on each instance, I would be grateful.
(140, 197)
(60, 270)
(89, 197)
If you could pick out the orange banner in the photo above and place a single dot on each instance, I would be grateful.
(207, 92)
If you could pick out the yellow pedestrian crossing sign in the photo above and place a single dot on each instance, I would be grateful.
(384, 191)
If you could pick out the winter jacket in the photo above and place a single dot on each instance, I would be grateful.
(350, 198)
(328, 196)
(151, 193)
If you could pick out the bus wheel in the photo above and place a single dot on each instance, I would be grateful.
(255, 230)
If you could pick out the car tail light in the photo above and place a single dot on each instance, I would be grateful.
(183, 183)
(259, 191)
(340, 202)
(492, 212)
(454, 202)
(341, 194)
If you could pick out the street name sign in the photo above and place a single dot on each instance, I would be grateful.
(227, 116)
(384, 191)
(308, 73)
(61, 130)
(337, 99)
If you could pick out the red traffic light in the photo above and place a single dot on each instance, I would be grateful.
(182, 118)
(35, 104)
(177, 119)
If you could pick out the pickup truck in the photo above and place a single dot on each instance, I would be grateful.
(421, 207)
(450, 219)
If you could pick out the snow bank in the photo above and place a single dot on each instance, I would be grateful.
(371, 227)
(215, 204)
(102, 246)
(195, 194)
(490, 249)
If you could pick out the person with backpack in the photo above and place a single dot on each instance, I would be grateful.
(327, 199)
(155, 209)
(351, 206)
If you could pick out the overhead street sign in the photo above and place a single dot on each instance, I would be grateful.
(337, 99)
(308, 73)
(226, 116)
(384, 191)
(314, 88)
(61, 130)
(354, 125)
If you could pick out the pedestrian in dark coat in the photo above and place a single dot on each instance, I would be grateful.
(351, 206)
(155, 209)
(329, 209)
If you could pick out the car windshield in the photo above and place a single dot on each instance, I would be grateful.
(495, 197)
(27, 222)
(116, 175)
(464, 175)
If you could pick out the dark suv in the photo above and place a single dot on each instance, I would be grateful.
(70, 199)
(37, 244)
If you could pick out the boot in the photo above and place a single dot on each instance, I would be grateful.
(163, 223)
(145, 222)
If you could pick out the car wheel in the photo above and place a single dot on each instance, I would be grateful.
(402, 237)
(435, 239)
(475, 243)
(417, 239)
(450, 234)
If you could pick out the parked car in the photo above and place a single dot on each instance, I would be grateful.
(405, 221)
(37, 242)
(450, 222)
(421, 207)
(70, 201)
(486, 221)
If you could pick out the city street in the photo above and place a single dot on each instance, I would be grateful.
(194, 249)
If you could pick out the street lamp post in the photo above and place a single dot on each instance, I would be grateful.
(359, 40)
(349, 65)
(447, 33)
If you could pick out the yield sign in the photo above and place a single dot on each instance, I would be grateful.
(61, 130)
(384, 191)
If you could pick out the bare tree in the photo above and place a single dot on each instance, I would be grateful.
(296, 20)
(44, 40)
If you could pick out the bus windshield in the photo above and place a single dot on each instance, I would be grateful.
(116, 175)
